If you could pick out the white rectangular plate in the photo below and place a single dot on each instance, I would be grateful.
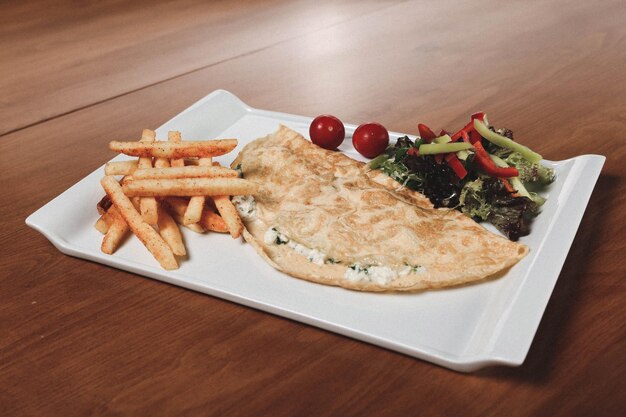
(464, 328)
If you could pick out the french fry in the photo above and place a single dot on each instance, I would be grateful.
(195, 227)
(196, 161)
(209, 219)
(184, 172)
(147, 137)
(194, 210)
(148, 205)
(213, 222)
(229, 214)
(120, 167)
(169, 231)
(175, 150)
(193, 214)
(117, 230)
(101, 225)
(154, 190)
(177, 207)
(148, 236)
(174, 137)
(106, 219)
(183, 187)
(104, 204)
(162, 163)
(107, 211)
(149, 210)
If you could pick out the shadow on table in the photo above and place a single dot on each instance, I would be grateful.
(550, 339)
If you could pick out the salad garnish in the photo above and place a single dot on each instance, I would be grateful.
(478, 170)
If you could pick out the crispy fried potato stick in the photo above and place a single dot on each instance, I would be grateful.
(106, 219)
(117, 230)
(173, 136)
(193, 214)
(169, 231)
(120, 167)
(175, 150)
(101, 225)
(184, 172)
(162, 163)
(213, 221)
(196, 162)
(148, 236)
(104, 204)
(176, 207)
(148, 205)
(183, 187)
(229, 214)
(194, 210)
(208, 221)
(195, 227)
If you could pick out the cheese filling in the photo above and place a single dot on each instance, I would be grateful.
(245, 205)
(379, 274)
(274, 237)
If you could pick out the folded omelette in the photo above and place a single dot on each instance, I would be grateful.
(324, 217)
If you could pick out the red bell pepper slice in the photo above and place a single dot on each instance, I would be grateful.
(468, 133)
(425, 133)
(470, 126)
(474, 137)
(478, 115)
(428, 135)
(489, 167)
(461, 134)
(456, 165)
(413, 151)
(507, 185)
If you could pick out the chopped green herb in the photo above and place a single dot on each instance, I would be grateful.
(239, 170)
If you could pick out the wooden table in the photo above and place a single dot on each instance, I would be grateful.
(79, 338)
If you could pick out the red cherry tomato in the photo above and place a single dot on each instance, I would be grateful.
(327, 131)
(370, 139)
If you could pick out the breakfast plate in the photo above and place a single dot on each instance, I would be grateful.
(463, 328)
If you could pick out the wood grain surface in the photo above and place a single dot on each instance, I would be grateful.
(78, 338)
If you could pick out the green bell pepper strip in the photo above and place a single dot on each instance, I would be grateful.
(505, 142)
(442, 139)
(437, 148)
(482, 159)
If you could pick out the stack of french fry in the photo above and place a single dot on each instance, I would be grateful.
(172, 183)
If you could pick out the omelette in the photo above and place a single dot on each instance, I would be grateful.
(324, 217)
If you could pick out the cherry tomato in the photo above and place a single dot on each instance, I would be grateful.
(370, 139)
(327, 131)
